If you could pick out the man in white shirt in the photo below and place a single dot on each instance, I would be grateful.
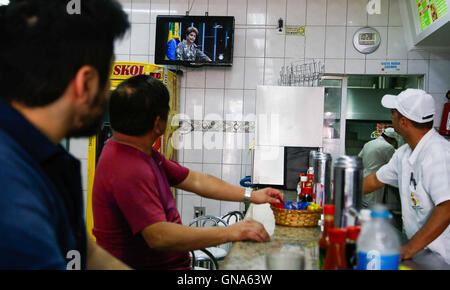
(375, 154)
(421, 170)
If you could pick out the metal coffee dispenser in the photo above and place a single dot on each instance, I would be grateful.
(312, 153)
(347, 190)
(322, 177)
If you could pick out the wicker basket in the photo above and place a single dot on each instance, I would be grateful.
(296, 218)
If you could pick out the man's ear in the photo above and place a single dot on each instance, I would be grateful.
(404, 122)
(85, 84)
(157, 126)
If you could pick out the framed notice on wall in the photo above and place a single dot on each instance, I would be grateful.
(429, 11)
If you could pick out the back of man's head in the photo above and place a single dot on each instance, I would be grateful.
(135, 104)
(43, 46)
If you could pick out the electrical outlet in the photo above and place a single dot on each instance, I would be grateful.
(199, 211)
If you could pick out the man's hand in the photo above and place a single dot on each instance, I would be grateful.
(406, 253)
(100, 259)
(266, 195)
(248, 229)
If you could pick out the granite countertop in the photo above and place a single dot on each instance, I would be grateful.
(250, 255)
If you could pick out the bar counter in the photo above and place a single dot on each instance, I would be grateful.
(250, 255)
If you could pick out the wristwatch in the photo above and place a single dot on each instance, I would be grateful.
(248, 194)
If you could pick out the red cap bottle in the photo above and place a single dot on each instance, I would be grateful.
(329, 209)
(353, 232)
(350, 246)
(338, 235)
(307, 192)
(336, 259)
(324, 242)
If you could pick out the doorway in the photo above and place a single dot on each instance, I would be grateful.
(365, 116)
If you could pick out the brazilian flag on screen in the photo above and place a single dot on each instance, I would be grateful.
(173, 39)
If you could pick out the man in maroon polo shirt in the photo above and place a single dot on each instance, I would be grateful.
(135, 215)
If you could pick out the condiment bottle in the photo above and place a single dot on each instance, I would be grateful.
(335, 259)
(350, 247)
(307, 194)
(364, 216)
(310, 177)
(324, 242)
(299, 186)
(301, 195)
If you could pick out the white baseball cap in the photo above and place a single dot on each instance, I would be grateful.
(390, 132)
(414, 104)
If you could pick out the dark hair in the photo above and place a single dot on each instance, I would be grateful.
(191, 29)
(135, 104)
(386, 137)
(43, 46)
(417, 125)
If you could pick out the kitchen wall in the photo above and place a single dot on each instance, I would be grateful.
(259, 53)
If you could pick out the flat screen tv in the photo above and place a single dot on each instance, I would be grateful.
(194, 40)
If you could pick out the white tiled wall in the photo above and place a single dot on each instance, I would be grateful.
(259, 52)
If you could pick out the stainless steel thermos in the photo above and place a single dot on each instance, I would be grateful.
(322, 178)
(347, 189)
(312, 153)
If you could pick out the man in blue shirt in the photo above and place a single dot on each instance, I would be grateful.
(54, 69)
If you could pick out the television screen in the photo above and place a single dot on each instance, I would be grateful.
(194, 40)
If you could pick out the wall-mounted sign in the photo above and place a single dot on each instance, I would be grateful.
(366, 40)
(295, 30)
(430, 11)
(390, 66)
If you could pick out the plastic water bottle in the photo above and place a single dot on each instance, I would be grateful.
(378, 245)
(364, 216)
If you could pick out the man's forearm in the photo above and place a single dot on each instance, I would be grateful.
(166, 236)
(433, 228)
(99, 259)
(209, 186)
(371, 183)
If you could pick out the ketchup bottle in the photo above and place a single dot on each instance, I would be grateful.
(336, 259)
(324, 242)
(307, 194)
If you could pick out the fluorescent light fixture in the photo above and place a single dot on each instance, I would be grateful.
(4, 2)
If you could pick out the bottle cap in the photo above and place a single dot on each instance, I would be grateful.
(353, 232)
(328, 209)
(383, 214)
(337, 235)
(380, 211)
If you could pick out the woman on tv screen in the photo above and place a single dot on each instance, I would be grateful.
(187, 50)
